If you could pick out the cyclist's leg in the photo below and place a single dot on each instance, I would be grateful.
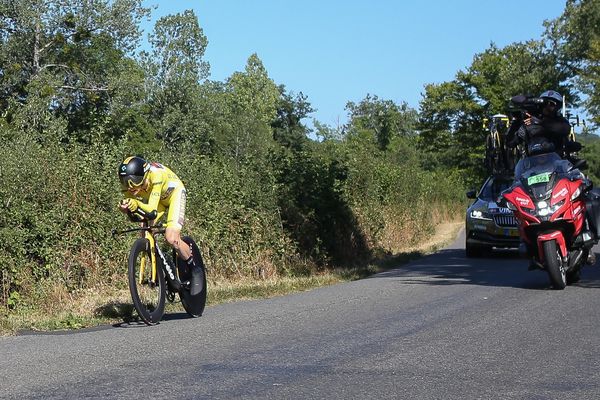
(175, 218)
(173, 237)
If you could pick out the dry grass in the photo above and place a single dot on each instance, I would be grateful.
(107, 305)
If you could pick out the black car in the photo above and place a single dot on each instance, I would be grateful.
(487, 224)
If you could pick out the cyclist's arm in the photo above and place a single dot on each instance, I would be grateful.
(153, 199)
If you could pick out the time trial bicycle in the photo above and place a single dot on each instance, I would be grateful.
(155, 276)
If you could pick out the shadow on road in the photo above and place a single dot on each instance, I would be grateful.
(136, 323)
(500, 268)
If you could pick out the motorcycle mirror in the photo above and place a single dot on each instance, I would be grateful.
(580, 165)
(573, 147)
(471, 194)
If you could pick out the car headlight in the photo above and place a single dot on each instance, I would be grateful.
(478, 214)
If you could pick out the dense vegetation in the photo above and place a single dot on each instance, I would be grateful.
(267, 197)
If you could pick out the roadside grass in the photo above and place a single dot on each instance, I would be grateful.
(109, 306)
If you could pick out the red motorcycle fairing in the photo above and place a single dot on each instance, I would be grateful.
(560, 241)
(570, 210)
(525, 212)
(525, 206)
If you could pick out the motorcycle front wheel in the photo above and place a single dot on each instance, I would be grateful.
(554, 265)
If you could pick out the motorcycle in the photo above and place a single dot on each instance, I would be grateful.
(548, 201)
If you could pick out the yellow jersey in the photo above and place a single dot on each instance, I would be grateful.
(162, 184)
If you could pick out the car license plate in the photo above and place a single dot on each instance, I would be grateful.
(513, 232)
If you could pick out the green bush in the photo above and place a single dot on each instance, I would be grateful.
(274, 211)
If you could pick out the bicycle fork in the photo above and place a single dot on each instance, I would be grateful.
(152, 246)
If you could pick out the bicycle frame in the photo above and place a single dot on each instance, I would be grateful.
(172, 278)
(164, 279)
(152, 243)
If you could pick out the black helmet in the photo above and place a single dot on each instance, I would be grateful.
(133, 171)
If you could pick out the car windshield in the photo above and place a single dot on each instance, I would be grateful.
(493, 187)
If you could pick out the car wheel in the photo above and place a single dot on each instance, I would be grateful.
(472, 250)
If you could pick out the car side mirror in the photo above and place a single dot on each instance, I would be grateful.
(471, 194)
(501, 201)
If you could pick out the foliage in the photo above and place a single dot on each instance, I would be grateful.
(576, 37)
(174, 70)
(451, 113)
(66, 55)
(385, 119)
(48, 231)
(591, 153)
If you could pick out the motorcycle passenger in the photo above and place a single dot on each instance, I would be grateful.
(155, 189)
(549, 124)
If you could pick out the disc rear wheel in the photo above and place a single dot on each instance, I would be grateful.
(193, 305)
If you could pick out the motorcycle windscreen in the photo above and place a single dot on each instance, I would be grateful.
(536, 165)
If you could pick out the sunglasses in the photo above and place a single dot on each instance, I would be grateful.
(131, 181)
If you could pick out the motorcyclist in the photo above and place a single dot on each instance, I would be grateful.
(549, 131)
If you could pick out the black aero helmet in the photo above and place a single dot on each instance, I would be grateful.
(132, 172)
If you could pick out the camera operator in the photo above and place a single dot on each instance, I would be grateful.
(541, 120)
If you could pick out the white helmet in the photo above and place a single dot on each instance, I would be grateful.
(552, 95)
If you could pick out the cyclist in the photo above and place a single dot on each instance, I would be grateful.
(155, 189)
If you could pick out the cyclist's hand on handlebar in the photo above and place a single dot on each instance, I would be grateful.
(129, 205)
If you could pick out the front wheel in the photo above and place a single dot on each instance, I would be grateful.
(148, 294)
(475, 251)
(193, 305)
(554, 265)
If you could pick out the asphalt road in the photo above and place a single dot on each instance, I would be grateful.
(442, 327)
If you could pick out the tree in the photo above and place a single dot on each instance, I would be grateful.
(384, 118)
(253, 99)
(178, 44)
(576, 36)
(451, 113)
(64, 54)
(254, 92)
(174, 70)
(288, 129)
(519, 68)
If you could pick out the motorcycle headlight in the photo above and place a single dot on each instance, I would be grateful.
(478, 214)
(544, 209)
(576, 193)
(511, 206)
